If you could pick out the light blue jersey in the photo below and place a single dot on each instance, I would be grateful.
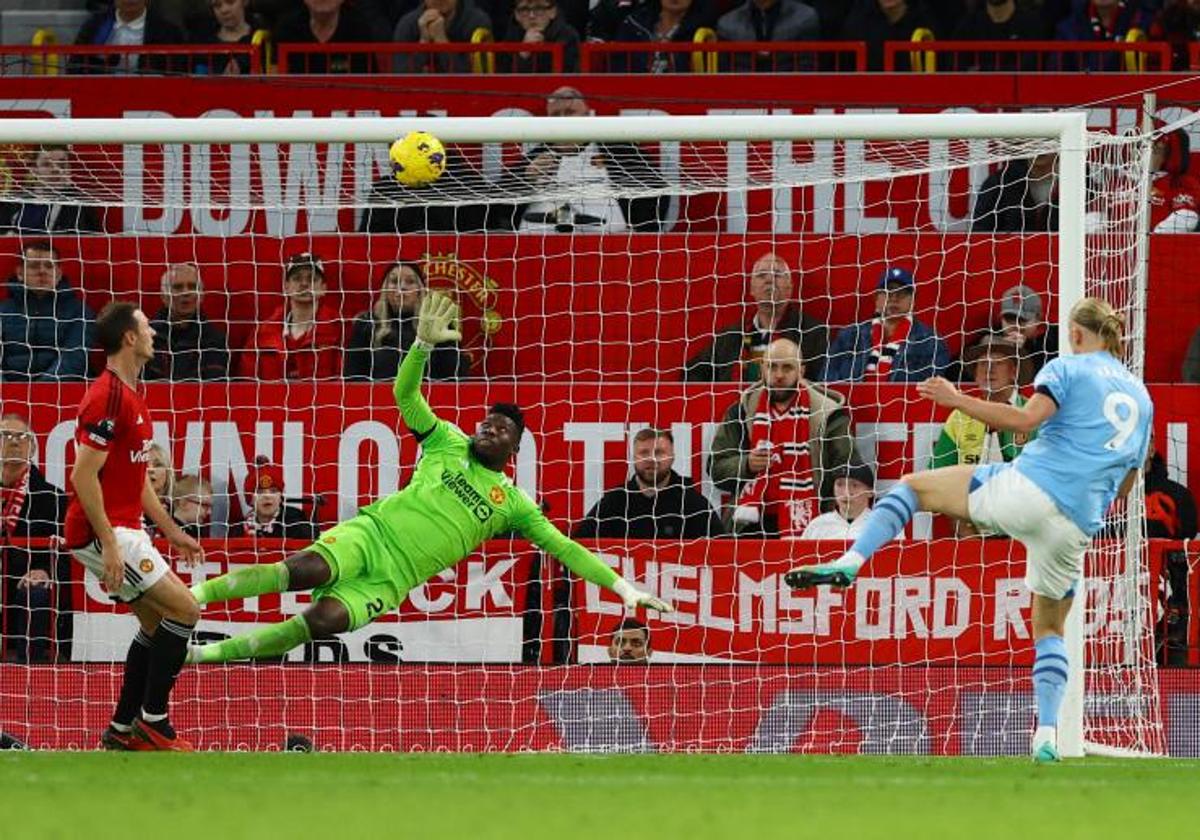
(1099, 433)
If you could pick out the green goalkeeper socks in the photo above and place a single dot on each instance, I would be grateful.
(243, 583)
(265, 642)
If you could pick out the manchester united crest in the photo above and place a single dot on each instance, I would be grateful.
(147, 565)
(496, 495)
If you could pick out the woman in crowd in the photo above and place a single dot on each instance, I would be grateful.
(381, 335)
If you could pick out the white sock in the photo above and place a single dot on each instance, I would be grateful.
(1045, 734)
(152, 718)
(120, 727)
(852, 557)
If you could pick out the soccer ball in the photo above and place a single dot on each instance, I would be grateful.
(418, 158)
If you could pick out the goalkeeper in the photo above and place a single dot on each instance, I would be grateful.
(458, 497)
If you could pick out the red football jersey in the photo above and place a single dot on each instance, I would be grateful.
(1169, 193)
(113, 419)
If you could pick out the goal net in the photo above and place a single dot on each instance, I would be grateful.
(614, 275)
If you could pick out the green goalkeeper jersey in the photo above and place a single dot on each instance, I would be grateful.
(453, 503)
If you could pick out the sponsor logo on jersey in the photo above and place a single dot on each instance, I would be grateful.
(144, 455)
(147, 565)
(457, 484)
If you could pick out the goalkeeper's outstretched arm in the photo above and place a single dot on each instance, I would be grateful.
(435, 324)
(541, 532)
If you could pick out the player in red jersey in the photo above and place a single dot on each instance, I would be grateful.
(103, 530)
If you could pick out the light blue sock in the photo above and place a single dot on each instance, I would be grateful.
(1049, 678)
(891, 513)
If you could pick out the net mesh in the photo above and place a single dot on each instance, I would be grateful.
(607, 288)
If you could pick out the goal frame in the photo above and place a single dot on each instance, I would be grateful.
(1068, 128)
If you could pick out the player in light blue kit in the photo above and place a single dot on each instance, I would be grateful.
(1093, 418)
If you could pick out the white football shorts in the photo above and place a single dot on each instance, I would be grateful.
(144, 566)
(1010, 503)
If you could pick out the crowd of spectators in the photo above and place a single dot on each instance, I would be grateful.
(428, 23)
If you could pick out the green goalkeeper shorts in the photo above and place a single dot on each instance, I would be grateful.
(367, 579)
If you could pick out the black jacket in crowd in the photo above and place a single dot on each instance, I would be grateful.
(290, 524)
(1005, 205)
(38, 217)
(1170, 508)
(677, 511)
(718, 361)
(41, 516)
(363, 361)
(187, 350)
(97, 29)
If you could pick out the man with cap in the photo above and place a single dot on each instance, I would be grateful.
(891, 347)
(302, 339)
(269, 517)
(853, 490)
(993, 363)
(1022, 321)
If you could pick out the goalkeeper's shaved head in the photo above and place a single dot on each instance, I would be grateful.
(499, 435)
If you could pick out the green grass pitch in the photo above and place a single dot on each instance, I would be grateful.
(233, 795)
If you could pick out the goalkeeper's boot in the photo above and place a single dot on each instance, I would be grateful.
(117, 741)
(839, 573)
(159, 735)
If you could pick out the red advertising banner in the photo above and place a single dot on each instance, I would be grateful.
(677, 708)
(917, 602)
(471, 612)
(346, 441)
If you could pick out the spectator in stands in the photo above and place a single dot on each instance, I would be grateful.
(49, 201)
(270, 516)
(1191, 361)
(661, 22)
(127, 23)
(779, 447)
(382, 335)
(160, 472)
(606, 16)
(656, 503)
(630, 642)
(326, 22)
(853, 490)
(1179, 25)
(999, 20)
(877, 21)
(993, 364)
(1174, 192)
(302, 339)
(737, 349)
(1101, 22)
(187, 346)
(229, 22)
(1022, 321)
(1019, 197)
(593, 165)
(1170, 506)
(439, 22)
(393, 207)
(764, 21)
(891, 347)
(192, 507)
(45, 326)
(538, 22)
(29, 507)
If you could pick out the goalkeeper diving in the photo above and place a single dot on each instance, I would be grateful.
(458, 497)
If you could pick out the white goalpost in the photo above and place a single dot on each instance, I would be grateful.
(828, 661)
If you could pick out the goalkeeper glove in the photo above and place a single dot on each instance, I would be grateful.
(634, 597)
(437, 319)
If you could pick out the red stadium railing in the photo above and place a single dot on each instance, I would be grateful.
(483, 57)
(198, 59)
(725, 56)
(1028, 56)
